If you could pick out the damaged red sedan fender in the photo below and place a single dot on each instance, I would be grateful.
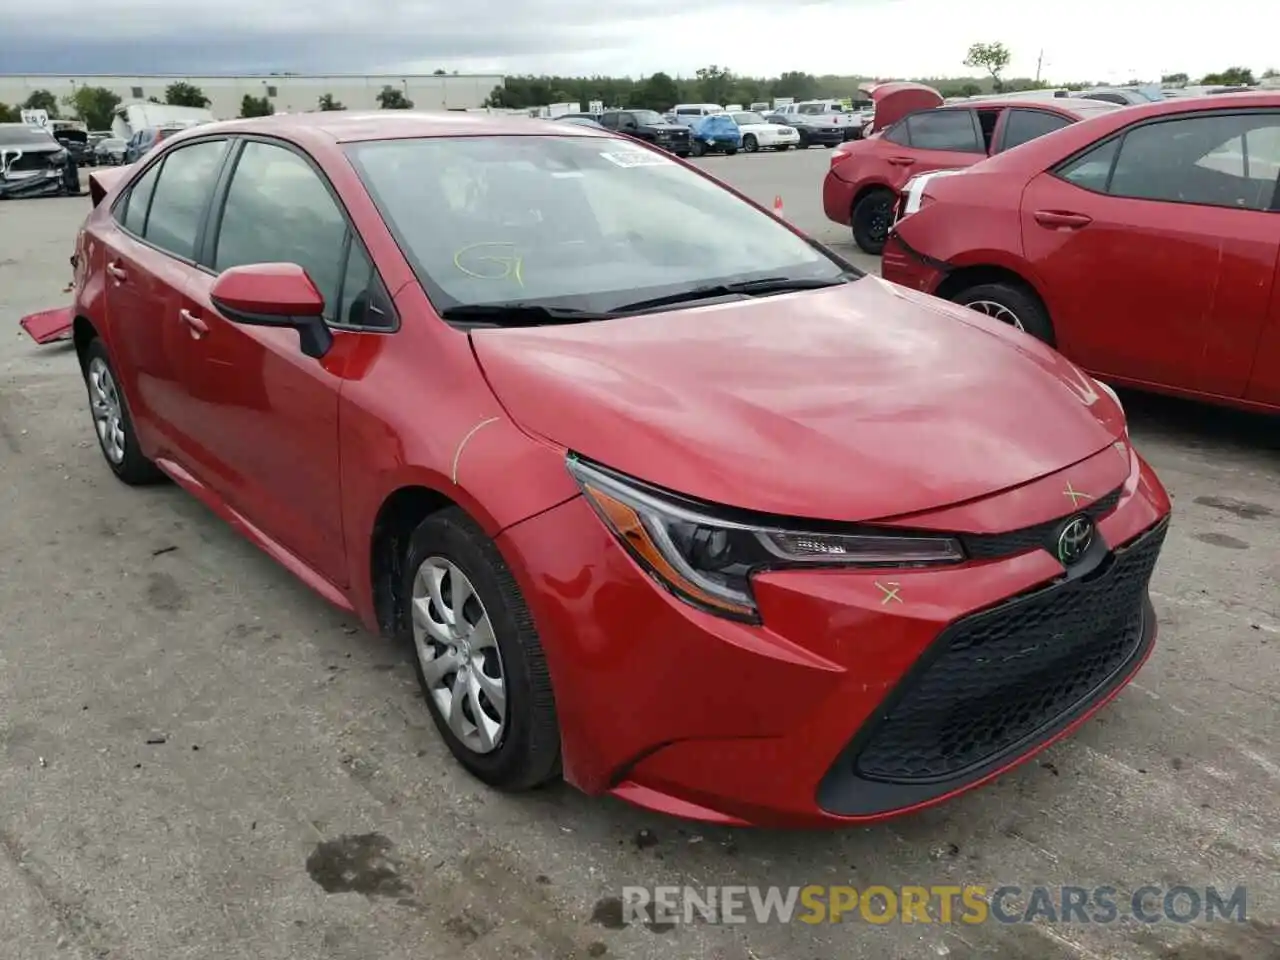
(707, 519)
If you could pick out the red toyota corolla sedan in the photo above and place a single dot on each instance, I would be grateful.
(866, 175)
(1144, 245)
(664, 496)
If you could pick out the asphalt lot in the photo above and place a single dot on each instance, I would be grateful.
(200, 759)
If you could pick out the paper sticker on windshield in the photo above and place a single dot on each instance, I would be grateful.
(635, 158)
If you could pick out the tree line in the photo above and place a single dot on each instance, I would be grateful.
(95, 106)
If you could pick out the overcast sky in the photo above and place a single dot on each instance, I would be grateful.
(887, 38)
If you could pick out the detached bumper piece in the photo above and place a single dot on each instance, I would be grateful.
(22, 187)
(49, 326)
(1001, 683)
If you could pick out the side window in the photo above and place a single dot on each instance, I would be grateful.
(898, 134)
(278, 209)
(609, 120)
(626, 119)
(187, 178)
(1092, 170)
(138, 201)
(944, 130)
(1228, 160)
(1024, 125)
(362, 294)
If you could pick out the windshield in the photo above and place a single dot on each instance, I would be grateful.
(23, 135)
(578, 222)
(748, 117)
(647, 116)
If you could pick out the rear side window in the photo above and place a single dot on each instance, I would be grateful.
(945, 130)
(1092, 170)
(1024, 125)
(898, 134)
(1227, 160)
(139, 200)
(278, 209)
(187, 178)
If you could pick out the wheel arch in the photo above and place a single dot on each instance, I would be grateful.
(970, 275)
(397, 517)
(82, 332)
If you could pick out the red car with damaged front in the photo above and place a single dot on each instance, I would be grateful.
(662, 496)
(1144, 245)
(913, 133)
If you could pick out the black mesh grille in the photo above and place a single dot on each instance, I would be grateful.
(989, 546)
(993, 680)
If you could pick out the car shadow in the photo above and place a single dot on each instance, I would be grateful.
(1201, 427)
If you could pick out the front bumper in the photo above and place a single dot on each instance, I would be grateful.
(824, 136)
(781, 138)
(864, 694)
(49, 183)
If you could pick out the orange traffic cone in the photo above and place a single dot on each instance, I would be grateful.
(777, 206)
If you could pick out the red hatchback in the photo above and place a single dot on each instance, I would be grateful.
(1143, 244)
(866, 175)
(659, 494)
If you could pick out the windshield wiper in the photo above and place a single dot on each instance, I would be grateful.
(518, 314)
(750, 288)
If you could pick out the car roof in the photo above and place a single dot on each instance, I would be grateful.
(1077, 107)
(350, 126)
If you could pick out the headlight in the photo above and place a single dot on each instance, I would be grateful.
(707, 560)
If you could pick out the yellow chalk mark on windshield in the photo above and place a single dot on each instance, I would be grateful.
(512, 266)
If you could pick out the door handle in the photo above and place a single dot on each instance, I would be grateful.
(901, 161)
(1062, 219)
(118, 274)
(198, 327)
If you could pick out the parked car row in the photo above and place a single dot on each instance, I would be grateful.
(1143, 241)
(701, 128)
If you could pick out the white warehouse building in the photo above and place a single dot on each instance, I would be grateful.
(288, 94)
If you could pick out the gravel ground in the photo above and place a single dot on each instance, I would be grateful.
(200, 759)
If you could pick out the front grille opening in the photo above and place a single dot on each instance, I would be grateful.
(993, 681)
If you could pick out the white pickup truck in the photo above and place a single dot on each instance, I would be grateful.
(832, 113)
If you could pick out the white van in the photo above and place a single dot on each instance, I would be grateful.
(688, 113)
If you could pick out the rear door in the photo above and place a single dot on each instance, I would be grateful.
(1022, 124)
(1158, 249)
(149, 250)
(931, 140)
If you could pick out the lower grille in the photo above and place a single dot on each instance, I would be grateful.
(993, 681)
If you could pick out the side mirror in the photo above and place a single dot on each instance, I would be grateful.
(275, 295)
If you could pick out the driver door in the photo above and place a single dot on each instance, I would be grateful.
(269, 413)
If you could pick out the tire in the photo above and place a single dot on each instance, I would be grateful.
(113, 426)
(871, 221)
(803, 144)
(1010, 303)
(730, 151)
(750, 144)
(698, 149)
(525, 750)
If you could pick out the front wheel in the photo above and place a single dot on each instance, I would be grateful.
(730, 151)
(699, 148)
(1011, 304)
(750, 144)
(871, 216)
(477, 654)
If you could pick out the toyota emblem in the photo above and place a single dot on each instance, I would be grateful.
(1074, 540)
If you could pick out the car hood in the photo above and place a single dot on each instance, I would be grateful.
(859, 402)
